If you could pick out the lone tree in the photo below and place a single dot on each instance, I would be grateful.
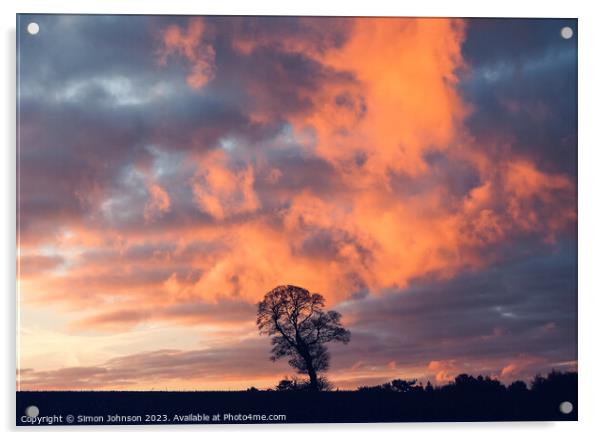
(299, 328)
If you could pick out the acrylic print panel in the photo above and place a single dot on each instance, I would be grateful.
(296, 219)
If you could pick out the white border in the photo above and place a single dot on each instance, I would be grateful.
(457, 8)
(590, 212)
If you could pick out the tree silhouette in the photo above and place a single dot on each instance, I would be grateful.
(300, 327)
(518, 386)
(296, 384)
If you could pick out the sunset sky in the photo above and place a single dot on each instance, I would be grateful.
(418, 173)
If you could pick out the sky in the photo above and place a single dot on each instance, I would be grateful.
(420, 174)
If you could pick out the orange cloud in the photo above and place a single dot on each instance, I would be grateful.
(389, 220)
(189, 44)
(220, 191)
(158, 202)
(517, 367)
(444, 370)
(402, 103)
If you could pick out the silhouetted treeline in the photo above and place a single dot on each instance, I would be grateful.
(465, 398)
(552, 383)
(481, 384)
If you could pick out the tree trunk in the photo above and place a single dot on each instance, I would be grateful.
(313, 377)
(303, 350)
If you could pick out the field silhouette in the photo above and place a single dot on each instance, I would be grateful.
(465, 399)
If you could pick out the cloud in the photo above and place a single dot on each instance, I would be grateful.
(209, 369)
(220, 191)
(194, 313)
(158, 202)
(514, 66)
(36, 264)
(445, 371)
(519, 313)
(363, 169)
(189, 44)
(516, 368)
(433, 331)
(402, 102)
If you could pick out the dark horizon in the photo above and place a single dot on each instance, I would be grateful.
(300, 379)
(553, 397)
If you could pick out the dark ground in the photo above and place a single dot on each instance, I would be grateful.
(440, 405)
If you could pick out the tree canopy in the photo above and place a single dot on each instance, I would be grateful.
(300, 328)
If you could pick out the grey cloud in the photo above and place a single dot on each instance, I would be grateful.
(204, 366)
(526, 307)
(522, 78)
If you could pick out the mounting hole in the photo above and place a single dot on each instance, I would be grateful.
(566, 407)
(32, 411)
(33, 28)
(566, 33)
